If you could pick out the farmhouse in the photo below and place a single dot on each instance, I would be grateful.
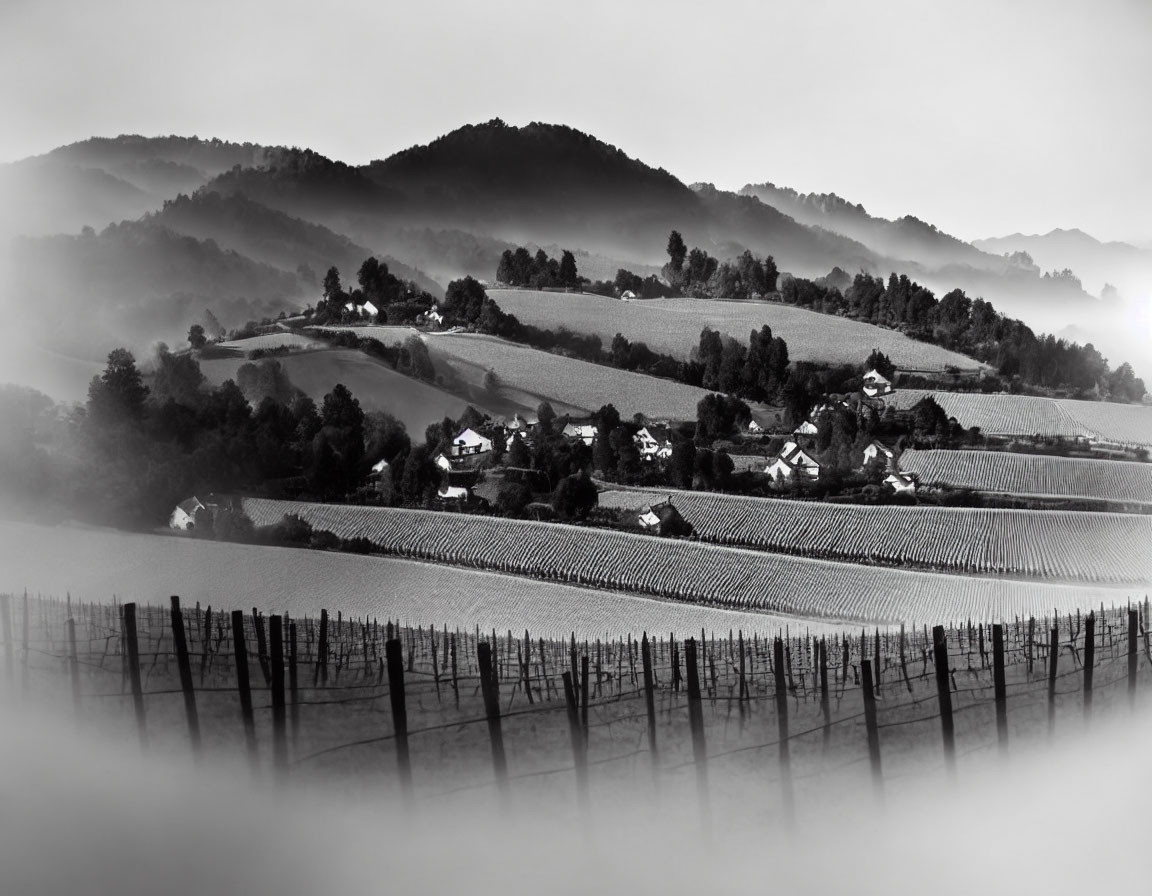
(664, 519)
(470, 442)
(791, 460)
(875, 383)
(452, 494)
(367, 308)
(433, 316)
(585, 432)
(807, 428)
(522, 423)
(183, 517)
(754, 427)
(627, 295)
(654, 442)
(901, 483)
(442, 462)
(876, 449)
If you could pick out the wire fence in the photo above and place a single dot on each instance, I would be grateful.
(437, 711)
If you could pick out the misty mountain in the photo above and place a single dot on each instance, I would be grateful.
(102, 180)
(275, 237)
(905, 239)
(1126, 267)
(134, 283)
(38, 198)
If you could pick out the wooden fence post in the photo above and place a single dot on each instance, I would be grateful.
(261, 645)
(134, 671)
(825, 707)
(1000, 687)
(455, 681)
(293, 683)
(320, 674)
(1089, 661)
(579, 741)
(1053, 662)
(650, 702)
(870, 723)
(279, 713)
(1133, 654)
(24, 636)
(944, 696)
(240, 651)
(584, 694)
(184, 665)
(696, 721)
(73, 665)
(492, 709)
(784, 747)
(6, 613)
(393, 651)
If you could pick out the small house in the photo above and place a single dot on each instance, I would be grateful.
(585, 432)
(452, 494)
(183, 518)
(664, 519)
(367, 308)
(443, 463)
(793, 460)
(807, 428)
(433, 316)
(875, 383)
(754, 427)
(522, 423)
(876, 449)
(627, 295)
(901, 483)
(469, 442)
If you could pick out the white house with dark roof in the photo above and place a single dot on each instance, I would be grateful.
(585, 432)
(469, 442)
(901, 483)
(792, 461)
(183, 517)
(443, 462)
(875, 449)
(367, 308)
(875, 383)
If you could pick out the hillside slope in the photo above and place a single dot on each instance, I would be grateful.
(673, 326)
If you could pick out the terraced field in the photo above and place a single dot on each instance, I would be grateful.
(375, 385)
(1030, 474)
(99, 564)
(673, 326)
(1026, 415)
(688, 571)
(1104, 548)
(583, 386)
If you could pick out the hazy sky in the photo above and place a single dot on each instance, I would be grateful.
(981, 117)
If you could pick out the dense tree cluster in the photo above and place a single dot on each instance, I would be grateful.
(396, 301)
(758, 372)
(521, 268)
(972, 327)
(696, 273)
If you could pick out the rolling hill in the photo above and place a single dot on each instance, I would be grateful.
(526, 376)
(375, 385)
(673, 326)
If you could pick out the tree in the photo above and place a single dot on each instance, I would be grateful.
(574, 497)
(119, 392)
(177, 377)
(342, 410)
(332, 288)
(881, 363)
(518, 453)
(568, 275)
(546, 415)
(196, 337)
(677, 251)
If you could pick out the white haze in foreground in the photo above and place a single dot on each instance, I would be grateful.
(91, 817)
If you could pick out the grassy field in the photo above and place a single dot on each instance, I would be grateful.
(1062, 546)
(375, 385)
(1032, 474)
(691, 571)
(527, 376)
(97, 565)
(673, 326)
(273, 341)
(1026, 415)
